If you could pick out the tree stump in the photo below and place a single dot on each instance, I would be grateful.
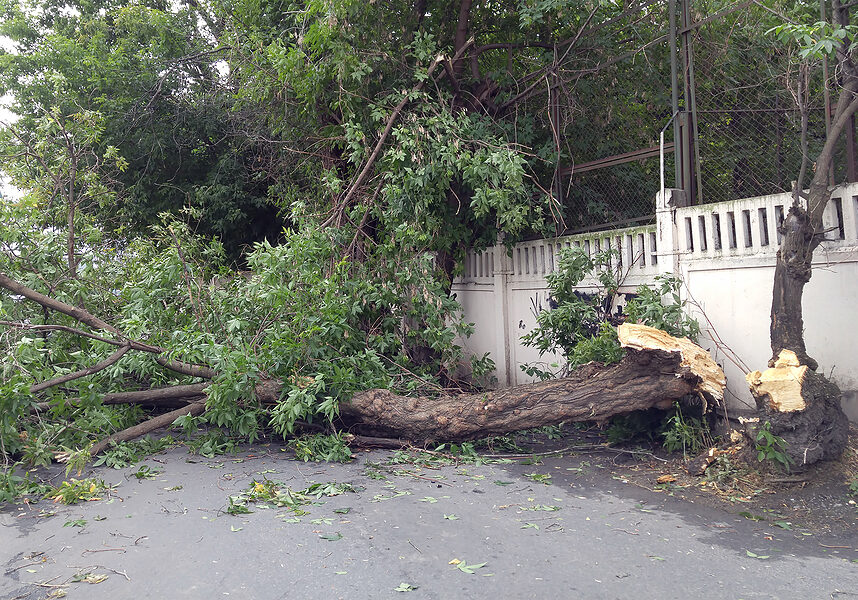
(803, 408)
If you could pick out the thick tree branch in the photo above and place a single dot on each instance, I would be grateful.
(847, 106)
(74, 312)
(177, 395)
(72, 330)
(186, 368)
(87, 318)
(113, 358)
(656, 370)
(358, 182)
(194, 409)
(153, 395)
(462, 27)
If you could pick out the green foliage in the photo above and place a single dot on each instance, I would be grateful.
(125, 454)
(817, 40)
(146, 472)
(581, 325)
(662, 307)
(20, 487)
(577, 316)
(321, 448)
(771, 447)
(689, 434)
(278, 494)
(853, 486)
(603, 347)
(321, 324)
(79, 490)
(121, 103)
(213, 443)
(724, 471)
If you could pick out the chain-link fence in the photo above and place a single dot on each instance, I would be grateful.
(737, 90)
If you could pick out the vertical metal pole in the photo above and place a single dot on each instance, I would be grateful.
(826, 94)
(684, 122)
(674, 95)
(691, 98)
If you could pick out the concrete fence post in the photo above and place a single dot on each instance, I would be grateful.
(502, 269)
(667, 231)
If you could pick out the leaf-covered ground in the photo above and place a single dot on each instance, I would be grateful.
(557, 511)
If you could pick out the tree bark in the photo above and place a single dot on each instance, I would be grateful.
(165, 420)
(594, 392)
(813, 432)
(792, 272)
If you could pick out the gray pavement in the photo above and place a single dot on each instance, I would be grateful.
(581, 535)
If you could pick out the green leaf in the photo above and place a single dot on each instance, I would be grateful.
(405, 587)
(470, 569)
(331, 537)
(75, 523)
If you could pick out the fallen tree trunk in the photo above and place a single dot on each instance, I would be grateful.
(802, 407)
(658, 371)
(643, 379)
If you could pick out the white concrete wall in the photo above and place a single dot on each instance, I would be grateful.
(731, 280)
(725, 253)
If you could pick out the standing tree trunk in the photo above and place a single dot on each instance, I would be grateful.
(813, 425)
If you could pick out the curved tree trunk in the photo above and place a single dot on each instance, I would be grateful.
(650, 378)
(792, 272)
(819, 420)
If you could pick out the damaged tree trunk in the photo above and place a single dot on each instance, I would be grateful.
(812, 421)
(594, 392)
(802, 407)
(656, 371)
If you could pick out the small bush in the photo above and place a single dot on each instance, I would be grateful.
(582, 326)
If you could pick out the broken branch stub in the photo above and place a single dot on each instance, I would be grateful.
(694, 358)
(780, 386)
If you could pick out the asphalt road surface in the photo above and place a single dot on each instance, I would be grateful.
(493, 531)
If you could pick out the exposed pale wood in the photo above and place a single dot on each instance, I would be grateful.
(800, 406)
(780, 385)
(695, 358)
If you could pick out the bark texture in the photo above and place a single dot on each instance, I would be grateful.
(792, 272)
(643, 379)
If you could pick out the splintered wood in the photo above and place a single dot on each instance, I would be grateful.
(780, 386)
(695, 358)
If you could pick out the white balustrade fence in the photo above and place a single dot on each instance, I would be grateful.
(725, 254)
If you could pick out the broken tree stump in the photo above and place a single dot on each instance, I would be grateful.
(803, 408)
